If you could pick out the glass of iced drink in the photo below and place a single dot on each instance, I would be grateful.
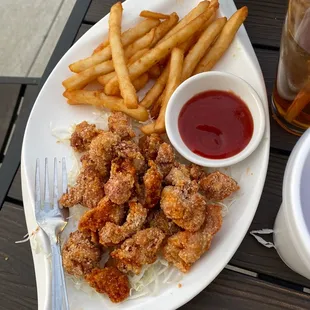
(291, 94)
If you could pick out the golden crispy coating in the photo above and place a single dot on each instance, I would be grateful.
(80, 255)
(110, 281)
(152, 186)
(106, 211)
(157, 218)
(149, 146)
(88, 190)
(185, 248)
(101, 151)
(217, 186)
(112, 234)
(165, 158)
(139, 250)
(82, 136)
(196, 172)
(185, 206)
(130, 150)
(122, 179)
(119, 124)
(178, 176)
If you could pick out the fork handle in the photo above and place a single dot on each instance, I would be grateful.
(59, 292)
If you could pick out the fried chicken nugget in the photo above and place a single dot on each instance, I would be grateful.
(196, 172)
(165, 158)
(185, 206)
(110, 281)
(119, 124)
(149, 146)
(101, 151)
(80, 255)
(217, 186)
(130, 150)
(185, 248)
(112, 234)
(158, 219)
(82, 136)
(122, 179)
(139, 250)
(106, 211)
(178, 176)
(88, 190)
(152, 184)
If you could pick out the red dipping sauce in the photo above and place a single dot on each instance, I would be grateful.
(216, 124)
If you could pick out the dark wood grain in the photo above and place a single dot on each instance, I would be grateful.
(264, 23)
(253, 256)
(15, 191)
(231, 290)
(17, 279)
(9, 97)
(82, 30)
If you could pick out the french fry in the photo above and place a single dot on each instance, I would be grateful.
(195, 12)
(141, 81)
(126, 35)
(150, 14)
(105, 54)
(223, 42)
(299, 103)
(198, 50)
(99, 99)
(127, 90)
(174, 80)
(104, 79)
(153, 94)
(148, 129)
(162, 29)
(79, 80)
(156, 106)
(154, 71)
(161, 50)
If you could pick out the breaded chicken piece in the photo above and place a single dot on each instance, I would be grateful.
(185, 248)
(122, 179)
(80, 255)
(119, 124)
(185, 206)
(165, 158)
(88, 190)
(106, 211)
(217, 186)
(110, 281)
(149, 146)
(82, 136)
(152, 185)
(158, 219)
(139, 250)
(178, 176)
(196, 172)
(130, 150)
(101, 151)
(112, 234)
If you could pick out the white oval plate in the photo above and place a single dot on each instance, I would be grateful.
(51, 108)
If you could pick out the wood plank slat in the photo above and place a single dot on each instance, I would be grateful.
(231, 290)
(253, 256)
(9, 99)
(15, 191)
(17, 278)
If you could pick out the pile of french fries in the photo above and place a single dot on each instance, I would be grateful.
(161, 48)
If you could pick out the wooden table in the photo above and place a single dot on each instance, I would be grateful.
(255, 278)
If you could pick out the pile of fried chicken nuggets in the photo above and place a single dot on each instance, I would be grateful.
(142, 203)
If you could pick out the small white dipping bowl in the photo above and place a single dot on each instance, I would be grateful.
(214, 80)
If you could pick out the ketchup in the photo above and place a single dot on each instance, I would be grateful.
(216, 124)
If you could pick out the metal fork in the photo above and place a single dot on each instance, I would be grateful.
(52, 220)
